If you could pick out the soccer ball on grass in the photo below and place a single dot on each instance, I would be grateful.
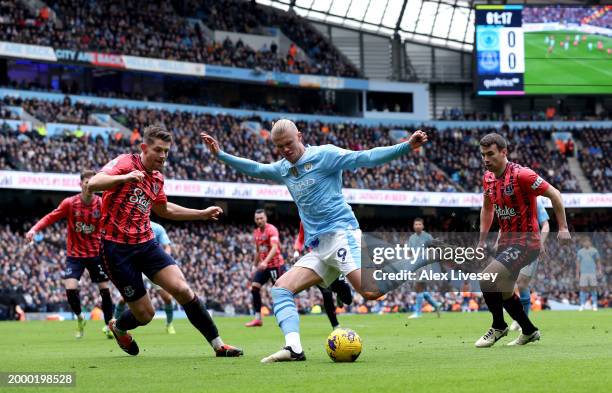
(343, 345)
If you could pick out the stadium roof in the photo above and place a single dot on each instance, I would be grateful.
(447, 23)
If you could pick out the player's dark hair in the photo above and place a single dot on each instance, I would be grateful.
(260, 211)
(156, 132)
(419, 219)
(494, 139)
(87, 173)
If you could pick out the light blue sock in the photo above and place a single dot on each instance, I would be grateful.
(594, 298)
(525, 296)
(430, 300)
(419, 303)
(583, 296)
(285, 310)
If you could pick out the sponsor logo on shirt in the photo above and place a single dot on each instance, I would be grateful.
(81, 227)
(537, 183)
(504, 213)
(140, 199)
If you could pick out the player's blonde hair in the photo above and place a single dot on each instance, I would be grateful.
(282, 126)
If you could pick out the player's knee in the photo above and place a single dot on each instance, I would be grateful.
(182, 293)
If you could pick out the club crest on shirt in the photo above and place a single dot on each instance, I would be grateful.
(77, 213)
(155, 188)
(308, 166)
(96, 213)
(293, 171)
(509, 190)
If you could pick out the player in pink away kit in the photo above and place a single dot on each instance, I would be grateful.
(133, 186)
(269, 262)
(83, 212)
(510, 192)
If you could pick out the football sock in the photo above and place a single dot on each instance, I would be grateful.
(287, 317)
(119, 309)
(594, 298)
(201, 320)
(515, 310)
(74, 300)
(169, 309)
(107, 304)
(430, 300)
(525, 299)
(127, 321)
(583, 297)
(418, 306)
(494, 302)
(256, 293)
(330, 308)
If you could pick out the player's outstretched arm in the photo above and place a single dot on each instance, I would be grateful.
(103, 181)
(172, 211)
(57, 214)
(348, 159)
(248, 167)
(557, 202)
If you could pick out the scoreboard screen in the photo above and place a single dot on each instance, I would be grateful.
(543, 50)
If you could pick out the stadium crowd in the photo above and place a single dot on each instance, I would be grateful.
(595, 158)
(133, 28)
(451, 162)
(217, 260)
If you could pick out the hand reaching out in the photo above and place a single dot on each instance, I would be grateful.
(417, 139)
(211, 142)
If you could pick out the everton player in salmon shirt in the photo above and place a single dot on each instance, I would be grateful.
(83, 212)
(133, 186)
(510, 192)
(269, 262)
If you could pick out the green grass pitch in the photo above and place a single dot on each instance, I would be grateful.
(399, 355)
(576, 70)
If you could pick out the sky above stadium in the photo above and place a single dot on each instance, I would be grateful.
(442, 22)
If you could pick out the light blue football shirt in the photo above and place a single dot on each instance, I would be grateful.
(315, 182)
(160, 234)
(542, 214)
(417, 241)
(587, 257)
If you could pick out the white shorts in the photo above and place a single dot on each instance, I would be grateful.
(337, 253)
(530, 270)
(588, 280)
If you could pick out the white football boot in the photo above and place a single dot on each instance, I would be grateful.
(491, 337)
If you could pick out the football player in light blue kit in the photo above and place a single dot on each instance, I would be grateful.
(313, 176)
(587, 266)
(164, 241)
(418, 240)
(528, 273)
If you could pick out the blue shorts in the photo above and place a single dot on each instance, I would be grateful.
(514, 258)
(272, 273)
(76, 266)
(126, 263)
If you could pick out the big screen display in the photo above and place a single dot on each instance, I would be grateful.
(543, 49)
